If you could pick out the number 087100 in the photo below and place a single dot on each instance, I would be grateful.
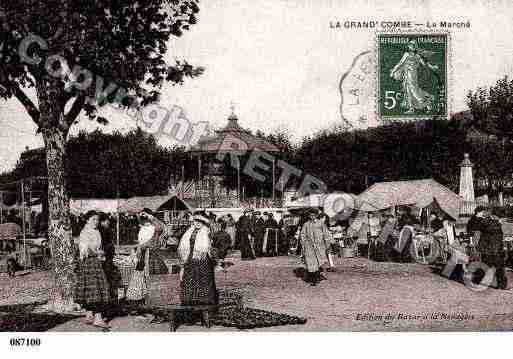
(25, 342)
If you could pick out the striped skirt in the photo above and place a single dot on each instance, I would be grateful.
(91, 286)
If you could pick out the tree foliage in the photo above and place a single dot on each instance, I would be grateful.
(492, 108)
(109, 165)
(100, 165)
(351, 161)
(111, 49)
(79, 55)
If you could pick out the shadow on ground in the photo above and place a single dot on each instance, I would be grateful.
(19, 318)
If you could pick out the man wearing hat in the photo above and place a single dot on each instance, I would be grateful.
(245, 236)
(272, 235)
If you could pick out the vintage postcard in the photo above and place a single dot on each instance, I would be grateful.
(255, 166)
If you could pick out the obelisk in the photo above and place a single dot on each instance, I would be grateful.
(467, 187)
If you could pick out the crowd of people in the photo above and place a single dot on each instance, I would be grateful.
(482, 242)
(203, 245)
(98, 284)
(98, 279)
(201, 252)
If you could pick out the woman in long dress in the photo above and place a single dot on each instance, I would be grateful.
(139, 286)
(407, 71)
(91, 287)
(197, 257)
(156, 263)
(314, 236)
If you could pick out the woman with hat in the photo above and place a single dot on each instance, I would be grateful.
(314, 236)
(197, 257)
(91, 287)
(155, 261)
(139, 286)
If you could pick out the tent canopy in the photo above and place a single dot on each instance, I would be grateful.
(155, 203)
(134, 204)
(90, 204)
(421, 193)
(331, 203)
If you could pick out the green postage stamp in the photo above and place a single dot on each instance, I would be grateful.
(412, 76)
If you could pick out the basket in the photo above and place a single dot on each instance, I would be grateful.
(230, 298)
(348, 252)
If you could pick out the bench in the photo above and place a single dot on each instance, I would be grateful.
(171, 310)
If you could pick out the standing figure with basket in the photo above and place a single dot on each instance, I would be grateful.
(160, 236)
(91, 289)
(139, 287)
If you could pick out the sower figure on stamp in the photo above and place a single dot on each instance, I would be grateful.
(314, 236)
(407, 71)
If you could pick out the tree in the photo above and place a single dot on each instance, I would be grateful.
(79, 56)
(492, 109)
(492, 113)
(119, 165)
(109, 165)
(352, 161)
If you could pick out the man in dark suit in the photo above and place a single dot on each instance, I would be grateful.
(245, 236)
(273, 235)
(259, 231)
(221, 240)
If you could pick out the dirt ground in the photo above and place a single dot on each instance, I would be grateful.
(361, 296)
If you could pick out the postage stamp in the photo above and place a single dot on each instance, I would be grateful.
(412, 76)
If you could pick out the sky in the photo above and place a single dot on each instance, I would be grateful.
(280, 62)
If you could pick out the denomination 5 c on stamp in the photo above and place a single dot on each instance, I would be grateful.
(412, 76)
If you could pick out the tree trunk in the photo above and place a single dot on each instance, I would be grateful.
(55, 133)
(59, 228)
